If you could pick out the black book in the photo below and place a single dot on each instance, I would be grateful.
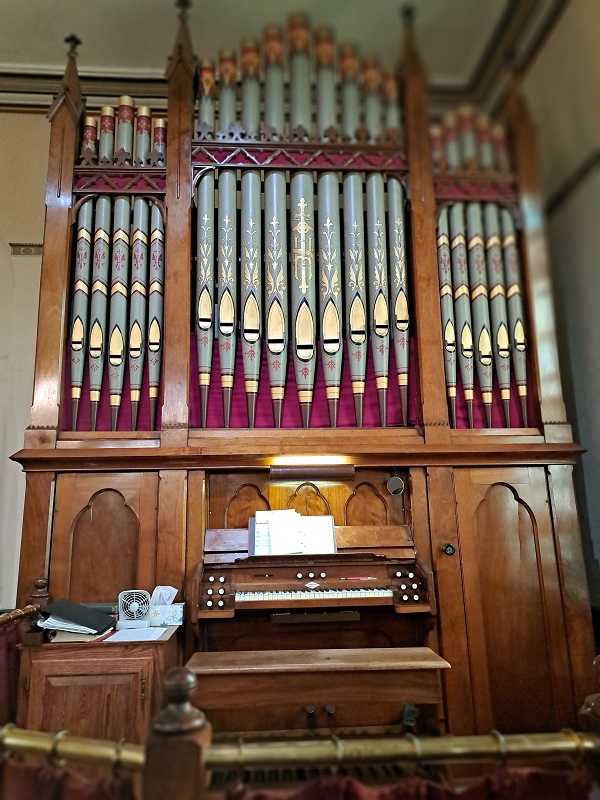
(76, 614)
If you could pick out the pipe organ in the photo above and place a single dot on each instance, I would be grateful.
(299, 290)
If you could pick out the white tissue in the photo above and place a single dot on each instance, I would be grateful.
(163, 596)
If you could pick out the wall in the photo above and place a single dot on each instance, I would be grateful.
(562, 87)
(23, 162)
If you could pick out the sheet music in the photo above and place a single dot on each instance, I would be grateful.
(278, 533)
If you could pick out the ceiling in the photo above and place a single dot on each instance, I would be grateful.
(464, 44)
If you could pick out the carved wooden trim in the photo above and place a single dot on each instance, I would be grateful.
(354, 496)
(259, 496)
(307, 486)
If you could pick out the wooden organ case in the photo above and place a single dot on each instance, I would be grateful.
(150, 446)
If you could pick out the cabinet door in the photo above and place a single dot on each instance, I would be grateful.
(105, 697)
(103, 535)
(515, 625)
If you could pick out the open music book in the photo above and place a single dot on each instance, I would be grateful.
(279, 533)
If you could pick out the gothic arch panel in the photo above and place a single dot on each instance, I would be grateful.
(243, 505)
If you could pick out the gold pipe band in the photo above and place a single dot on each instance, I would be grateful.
(135, 395)
(157, 234)
(153, 392)
(402, 379)
(446, 290)
(462, 290)
(497, 291)
(204, 379)
(227, 381)
(468, 394)
(476, 241)
(139, 236)
(81, 286)
(381, 383)
(156, 286)
(136, 286)
(90, 122)
(522, 391)
(443, 239)
(493, 241)
(332, 392)
(487, 397)
(480, 291)
(107, 111)
(75, 392)
(451, 391)
(509, 240)
(358, 387)
(251, 386)
(100, 234)
(512, 290)
(458, 240)
(118, 288)
(160, 122)
(98, 286)
(95, 395)
(305, 395)
(125, 100)
(82, 233)
(120, 236)
(143, 111)
(505, 394)
(277, 392)
(115, 400)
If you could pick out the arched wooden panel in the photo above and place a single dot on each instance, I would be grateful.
(365, 506)
(243, 505)
(308, 500)
(512, 600)
(104, 549)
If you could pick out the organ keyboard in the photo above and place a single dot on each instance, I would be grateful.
(339, 580)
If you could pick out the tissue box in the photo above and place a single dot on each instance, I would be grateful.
(161, 616)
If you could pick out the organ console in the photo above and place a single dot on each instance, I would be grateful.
(235, 282)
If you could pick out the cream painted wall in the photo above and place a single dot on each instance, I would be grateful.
(563, 90)
(23, 162)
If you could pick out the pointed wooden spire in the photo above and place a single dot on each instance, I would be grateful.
(409, 59)
(182, 49)
(70, 90)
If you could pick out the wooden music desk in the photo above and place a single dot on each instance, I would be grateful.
(315, 689)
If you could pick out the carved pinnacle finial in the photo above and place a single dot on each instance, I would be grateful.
(183, 6)
(73, 41)
(407, 12)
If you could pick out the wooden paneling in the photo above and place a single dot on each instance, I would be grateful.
(36, 528)
(110, 519)
(515, 625)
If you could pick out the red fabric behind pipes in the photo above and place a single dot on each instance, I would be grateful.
(291, 409)
(511, 784)
(40, 781)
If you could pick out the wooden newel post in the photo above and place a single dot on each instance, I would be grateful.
(177, 742)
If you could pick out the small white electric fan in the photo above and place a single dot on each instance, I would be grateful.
(134, 609)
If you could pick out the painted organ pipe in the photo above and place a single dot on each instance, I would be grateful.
(81, 283)
(462, 306)
(377, 257)
(515, 308)
(330, 261)
(227, 240)
(354, 238)
(155, 308)
(447, 309)
(500, 338)
(101, 268)
(250, 236)
(205, 235)
(303, 281)
(139, 270)
(276, 246)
